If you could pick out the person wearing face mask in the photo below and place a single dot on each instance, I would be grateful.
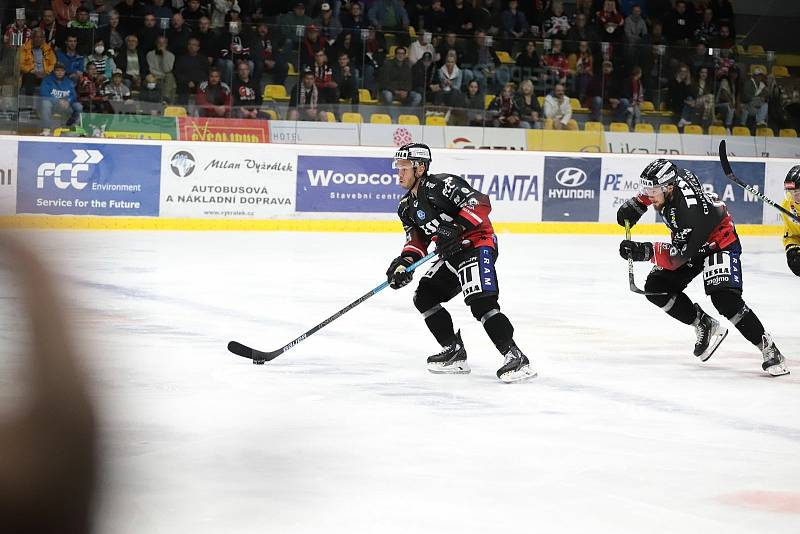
(151, 101)
(102, 60)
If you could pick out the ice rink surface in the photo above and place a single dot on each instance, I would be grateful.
(623, 431)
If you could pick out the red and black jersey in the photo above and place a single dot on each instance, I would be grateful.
(699, 223)
(444, 197)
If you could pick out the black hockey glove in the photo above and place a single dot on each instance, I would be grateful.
(396, 274)
(793, 259)
(632, 210)
(635, 250)
(448, 239)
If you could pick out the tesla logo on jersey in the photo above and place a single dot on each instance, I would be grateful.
(571, 177)
(182, 164)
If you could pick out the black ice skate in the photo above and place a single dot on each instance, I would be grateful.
(516, 366)
(452, 359)
(709, 334)
(774, 362)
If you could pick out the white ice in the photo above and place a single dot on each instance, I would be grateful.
(623, 431)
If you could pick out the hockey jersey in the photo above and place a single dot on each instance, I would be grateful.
(699, 224)
(791, 234)
(439, 198)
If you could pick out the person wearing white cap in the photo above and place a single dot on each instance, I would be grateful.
(754, 97)
(329, 24)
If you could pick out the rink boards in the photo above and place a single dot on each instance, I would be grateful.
(178, 185)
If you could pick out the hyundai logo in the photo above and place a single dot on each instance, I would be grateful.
(571, 177)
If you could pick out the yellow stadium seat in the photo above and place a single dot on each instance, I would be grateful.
(717, 130)
(380, 118)
(487, 99)
(331, 117)
(592, 126)
(667, 129)
(754, 66)
(541, 100)
(575, 104)
(271, 113)
(435, 120)
(765, 132)
(648, 106)
(755, 50)
(292, 71)
(693, 129)
(644, 127)
(390, 53)
(175, 111)
(276, 93)
(412, 32)
(779, 71)
(619, 127)
(788, 132)
(408, 119)
(741, 131)
(504, 57)
(364, 97)
(548, 124)
(739, 49)
(349, 116)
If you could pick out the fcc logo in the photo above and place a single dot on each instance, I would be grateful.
(571, 177)
(65, 175)
(182, 164)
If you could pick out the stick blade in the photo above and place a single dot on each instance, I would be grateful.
(723, 158)
(256, 355)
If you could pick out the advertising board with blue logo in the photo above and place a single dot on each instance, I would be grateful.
(347, 184)
(571, 189)
(88, 179)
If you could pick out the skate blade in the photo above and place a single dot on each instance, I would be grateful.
(520, 375)
(778, 369)
(450, 369)
(712, 347)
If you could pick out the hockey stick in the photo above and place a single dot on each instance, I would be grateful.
(630, 267)
(726, 168)
(260, 357)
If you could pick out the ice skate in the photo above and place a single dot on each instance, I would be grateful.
(709, 334)
(516, 366)
(451, 360)
(774, 362)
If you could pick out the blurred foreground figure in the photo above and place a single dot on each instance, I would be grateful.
(48, 449)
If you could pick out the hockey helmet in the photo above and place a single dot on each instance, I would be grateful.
(658, 175)
(791, 184)
(414, 152)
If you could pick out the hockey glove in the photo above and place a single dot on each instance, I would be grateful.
(397, 275)
(635, 250)
(632, 210)
(793, 259)
(448, 239)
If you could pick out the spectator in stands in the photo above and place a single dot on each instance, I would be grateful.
(354, 21)
(193, 12)
(150, 100)
(36, 61)
(707, 30)
(82, 25)
(178, 35)
(704, 91)
(724, 39)
(246, 94)
(584, 69)
(90, 93)
(33, 10)
(148, 33)
(395, 81)
(700, 58)
(233, 48)
(102, 60)
(681, 98)
(528, 60)
(374, 57)
(267, 57)
(424, 80)
(460, 17)
(419, 47)
(587, 9)
(487, 17)
(633, 97)
(346, 78)
(58, 93)
(312, 44)
(450, 79)
(132, 62)
(388, 15)
(113, 35)
(190, 71)
(503, 111)
(304, 101)
(347, 44)
(728, 100)
(513, 24)
(291, 20)
(680, 25)
(581, 31)
(528, 105)
(50, 28)
(65, 10)
(556, 22)
(556, 62)
(73, 62)
(535, 12)
(130, 14)
(219, 11)
(485, 65)
(207, 39)
(323, 78)
(611, 23)
(161, 63)
(656, 71)
(17, 32)
(451, 42)
(118, 94)
(214, 96)
(754, 98)
(159, 10)
(330, 26)
(604, 92)
(635, 35)
(475, 105)
(558, 108)
(435, 19)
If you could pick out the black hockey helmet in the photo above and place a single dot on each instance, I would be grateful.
(661, 173)
(414, 152)
(792, 180)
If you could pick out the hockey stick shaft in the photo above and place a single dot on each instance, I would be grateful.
(631, 282)
(256, 355)
(726, 168)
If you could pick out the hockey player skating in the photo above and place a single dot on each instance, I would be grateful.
(704, 240)
(791, 234)
(445, 209)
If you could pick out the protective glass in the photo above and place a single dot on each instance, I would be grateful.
(402, 164)
(652, 191)
(793, 195)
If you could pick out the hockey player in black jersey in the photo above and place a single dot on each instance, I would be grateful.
(704, 240)
(444, 209)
